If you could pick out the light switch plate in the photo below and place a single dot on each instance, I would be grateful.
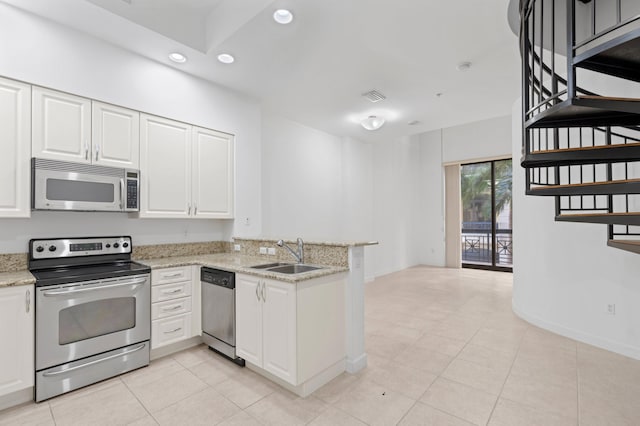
(271, 251)
(263, 250)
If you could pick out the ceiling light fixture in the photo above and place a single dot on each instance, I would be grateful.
(178, 58)
(283, 16)
(226, 58)
(372, 122)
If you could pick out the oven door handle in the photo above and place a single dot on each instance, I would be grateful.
(82, 290)
(97, 361)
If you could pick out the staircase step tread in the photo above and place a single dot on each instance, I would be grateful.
(577, 185)
(588, 111)
(588, 148)
(619, 57)
(632, 218)
(629, 242)
(627, 186)
(632, 246)
(608, 98)
(584, 155)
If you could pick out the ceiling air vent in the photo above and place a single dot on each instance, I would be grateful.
(374, 96)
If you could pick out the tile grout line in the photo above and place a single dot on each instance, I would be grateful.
(140, 402)
(495, 404)
(51, 412)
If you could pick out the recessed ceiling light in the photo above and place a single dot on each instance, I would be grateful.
(283, 16)
(226, 58)
(177, 57)
(372, 122)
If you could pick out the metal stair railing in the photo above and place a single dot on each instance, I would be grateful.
(543, 88)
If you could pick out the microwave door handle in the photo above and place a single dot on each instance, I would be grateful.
(135, 282)
(121, 194)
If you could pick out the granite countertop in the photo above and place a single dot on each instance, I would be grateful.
(314, 242)
(232, 262)
(240, 264)
(16, 278)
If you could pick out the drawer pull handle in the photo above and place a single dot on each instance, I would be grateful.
(177, 290)
(175, 274)
(173, 308)
(173, 331)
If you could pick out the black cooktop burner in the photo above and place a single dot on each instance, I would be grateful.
(72, 274)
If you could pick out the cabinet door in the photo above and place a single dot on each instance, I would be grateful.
(115, 136)
(17, 336)
(279, 330)
(61, 126)
(15, 149)
(249, 319)
(213, 174)
(165, 168)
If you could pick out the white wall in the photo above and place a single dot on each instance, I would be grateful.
(565, 275)
(316, 186)
(41, 52)
(486, 139)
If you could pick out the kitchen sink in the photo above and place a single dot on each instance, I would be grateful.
(271, 265)
(297, 268)
(286, 268)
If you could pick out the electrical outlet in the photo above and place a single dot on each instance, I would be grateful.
(271, 251)
(263, 250)
(236, 247)
(611, 309)
(247, 221)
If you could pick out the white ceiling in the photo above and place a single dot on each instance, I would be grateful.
(314, 70)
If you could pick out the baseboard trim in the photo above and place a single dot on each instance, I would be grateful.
(307, 388)
(357, 364)
(590, 339)
(163, 351)
(16, 398)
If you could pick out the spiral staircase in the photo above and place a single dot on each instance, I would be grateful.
(581, 134)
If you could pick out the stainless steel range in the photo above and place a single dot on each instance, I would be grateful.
(93, 312)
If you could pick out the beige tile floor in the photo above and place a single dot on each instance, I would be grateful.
(444, 349)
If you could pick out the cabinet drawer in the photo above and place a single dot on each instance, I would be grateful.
(170, 275)
(170, 330)
(160, 293)
(170, 308)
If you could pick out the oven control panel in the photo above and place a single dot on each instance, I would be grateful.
(72, 247)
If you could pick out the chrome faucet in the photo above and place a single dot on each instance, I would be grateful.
(299, 255)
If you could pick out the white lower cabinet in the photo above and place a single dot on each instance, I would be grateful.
(17, 334)
(293, 331)
(172, 305)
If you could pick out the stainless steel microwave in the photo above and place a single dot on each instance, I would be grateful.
(61, 185)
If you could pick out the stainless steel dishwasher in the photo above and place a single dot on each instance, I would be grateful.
(219, 312)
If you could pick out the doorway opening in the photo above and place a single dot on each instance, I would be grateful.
(486, 228)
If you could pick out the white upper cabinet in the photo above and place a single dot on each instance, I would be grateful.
(61, 126)
(70, 128)
(15, 149)
(213, 174)
(185, 171)
(115, 136)
(165, 168)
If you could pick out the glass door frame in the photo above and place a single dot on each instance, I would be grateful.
(493, 266)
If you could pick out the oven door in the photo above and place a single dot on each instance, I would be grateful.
(78, 320)
(71, 190)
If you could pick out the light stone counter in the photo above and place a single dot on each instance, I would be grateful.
(16, 278)
(240, 263)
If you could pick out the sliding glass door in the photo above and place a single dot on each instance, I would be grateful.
(486, 215)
